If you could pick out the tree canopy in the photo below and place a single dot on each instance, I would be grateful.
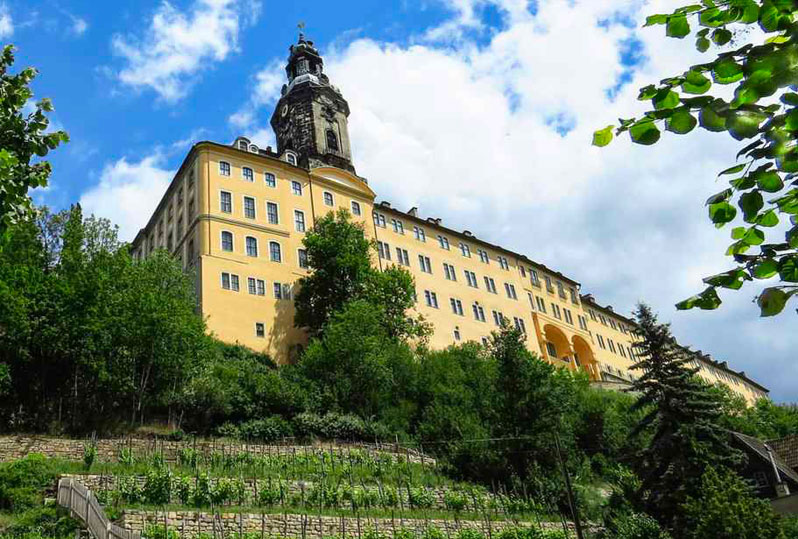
(745, 90)
(23, 140)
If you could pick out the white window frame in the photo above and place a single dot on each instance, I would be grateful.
(232, 202)
(244, 176)
(294, 184)
(355, 204)
(304, 223)
(299, 258)
(266, 180)
(244, 206)
(291, 157)
(232, 242)
(246, 246)
(262, 328)
(324, 198)
(229, 169)
(271, 257)
(266, 205)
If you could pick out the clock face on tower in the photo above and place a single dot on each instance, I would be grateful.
(284, 110)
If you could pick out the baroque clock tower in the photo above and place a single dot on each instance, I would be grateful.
(311, 117)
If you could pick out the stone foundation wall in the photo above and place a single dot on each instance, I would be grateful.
(191, 524)
(16, 447)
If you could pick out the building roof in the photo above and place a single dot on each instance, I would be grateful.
(787, 449)
(760, 449)
(468, 236)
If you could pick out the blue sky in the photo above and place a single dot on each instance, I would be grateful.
(477, 111)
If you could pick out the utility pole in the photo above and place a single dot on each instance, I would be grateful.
(569, 492)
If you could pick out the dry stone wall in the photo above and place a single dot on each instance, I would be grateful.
(192, 524)
(16, 447)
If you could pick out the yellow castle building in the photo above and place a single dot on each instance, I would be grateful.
(236, 216)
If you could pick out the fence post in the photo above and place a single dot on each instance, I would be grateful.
(88, 506)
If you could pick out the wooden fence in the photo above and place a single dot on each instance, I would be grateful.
(83, 505)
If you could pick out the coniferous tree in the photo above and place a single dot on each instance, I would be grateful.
(683, 419)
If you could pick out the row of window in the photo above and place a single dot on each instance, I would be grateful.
(273, 208)
(608, 321)
(431, 299)
(251, 248)
(465, 250)
(256, 287)
(615, 348)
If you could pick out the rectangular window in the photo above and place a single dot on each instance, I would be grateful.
(519, 324)
(302, 256)
(398, 227)
(275, 252)
(296, 188)
(574, 299)
(224, 168)
(226, 202)
(251, 286)
(431, 298)
(592, 314)
(425, 264)
(444, 242)
(498, 318)
(272, 214)
(555, 309)
(582, 322)
(449, 272)
(541, 304)
(534, 276)
(419, 234)
(261, 287)
(611, 345)
(483, 256)
(510, 289)
(249, 207)
(328, 199)
(234, 282)
(260, 329)
(551, 349)
(379, 220)
(456, 333)
(471, 278)
(402, 257)
(277, 288)
(226, 281)
(600, 340)
(457, 306)
(549, 286)
(465, 250)
(490, 285)
(479, 312)
(227, 241)
(531, 300)
(247, 174)
(271, 181)
(503, 263)
(299, 220)
(252, 246)
(561, 290)
(523, 271)
(355, 208)
(568, 317)
(613, 324)
(384, 249)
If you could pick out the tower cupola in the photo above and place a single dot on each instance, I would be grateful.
(311, 118)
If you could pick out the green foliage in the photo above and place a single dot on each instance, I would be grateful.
(634, 526)
(682, 417)
(759, 72)
(22, 482)
(158, 486)
(158, 531)
(725, 508)
(23, 142)
(89, 454)
(421, 497)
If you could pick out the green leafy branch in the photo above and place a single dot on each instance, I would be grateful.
(764, 186)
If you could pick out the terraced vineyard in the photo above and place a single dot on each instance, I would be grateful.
(304, 492)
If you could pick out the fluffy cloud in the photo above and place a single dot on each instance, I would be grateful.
(6, 22)
(79, 25)
(128, 192)
(490, 127)
(177, 46)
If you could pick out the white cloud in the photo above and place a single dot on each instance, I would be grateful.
(79, 25)
(462, 122)
(127, 193)
(6, 22)
(177, 46)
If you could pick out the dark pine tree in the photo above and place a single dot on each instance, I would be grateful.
(682, 419)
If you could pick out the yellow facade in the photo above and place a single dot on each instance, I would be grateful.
(562, 326)
(235, 215)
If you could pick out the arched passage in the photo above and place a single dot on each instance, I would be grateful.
(584, 357)
(557, 346)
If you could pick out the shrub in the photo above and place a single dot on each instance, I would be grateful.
(454, 500)
(126, 457)
(421, 497)
(469, 533)
(188, 457)
(128, 489)
(89, 454)
(228, 430)
(223, 491)
(431, 532)
(156, 531)
(635, 526)
(390, 497)
(271, 493)
(266, 430)
(182, 489)
(158, 486)
(201, 495)
(22, 481)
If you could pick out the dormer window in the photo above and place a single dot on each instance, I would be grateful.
(242, 145)
(253, 149)
(290, 158)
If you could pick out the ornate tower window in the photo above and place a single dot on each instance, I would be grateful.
(332, 141)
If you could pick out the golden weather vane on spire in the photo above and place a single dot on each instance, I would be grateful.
(301, 26)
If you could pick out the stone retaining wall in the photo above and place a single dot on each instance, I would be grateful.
(191, 524)
(16, 447)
